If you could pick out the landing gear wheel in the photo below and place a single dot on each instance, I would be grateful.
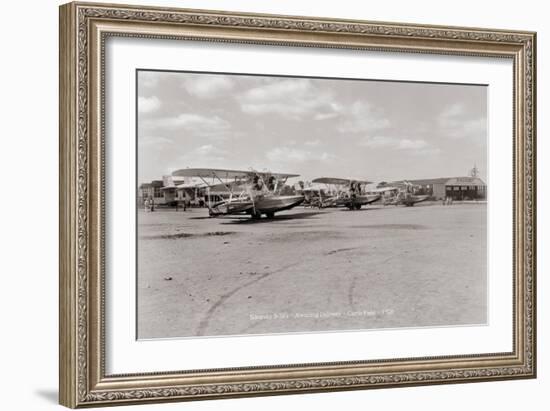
(357, 206)
(270, 215)
(256, 215)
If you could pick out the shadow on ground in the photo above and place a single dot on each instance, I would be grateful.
(369, 208)
(277, 218)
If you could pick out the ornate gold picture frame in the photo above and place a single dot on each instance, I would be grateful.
(84, 30)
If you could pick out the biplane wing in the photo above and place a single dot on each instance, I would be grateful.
(225, 174)
(193, 185)
(349, 193)
(338, 181)
(256, 200)
(383, 189)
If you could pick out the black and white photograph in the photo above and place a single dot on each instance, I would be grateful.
(281, 204)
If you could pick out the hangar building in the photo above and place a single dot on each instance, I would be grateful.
(458, 188)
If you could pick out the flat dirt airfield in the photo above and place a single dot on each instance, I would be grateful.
(310, 270)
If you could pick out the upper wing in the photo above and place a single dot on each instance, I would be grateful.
(210, 172)
(338, 181)
(225, 174)
(192, 185)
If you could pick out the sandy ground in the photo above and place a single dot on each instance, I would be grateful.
(311, 270)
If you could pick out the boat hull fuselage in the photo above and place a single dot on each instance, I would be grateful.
(355, 202)
(236, 206)
(273, 203)
(262, 204)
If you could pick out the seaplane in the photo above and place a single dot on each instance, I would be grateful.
(345, 193)
(248, 192)
(403, 195)
(314, 195)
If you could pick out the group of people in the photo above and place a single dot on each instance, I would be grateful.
(448, 200)
(259, 185)
(149, 204)
(186, 204)
(354, 189)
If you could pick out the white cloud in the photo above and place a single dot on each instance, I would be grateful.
(326, 116)
(360, 117)
(302, 99)
(188, 120)
(475, 129)
(454, 122)
(313, 143)
(148, 104)
(428, 151)
(378, 141)
(295, 155)
(407, 144)
(291, 98)
(207, 86)
(148, 79)
(153, 141)
(287, 154)
(205, 149)
(327, 156)
(206, 155)
(277, 89)
(196, 123)
(453, 110)
(416, 146)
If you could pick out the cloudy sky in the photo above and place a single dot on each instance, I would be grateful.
(380, 131)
